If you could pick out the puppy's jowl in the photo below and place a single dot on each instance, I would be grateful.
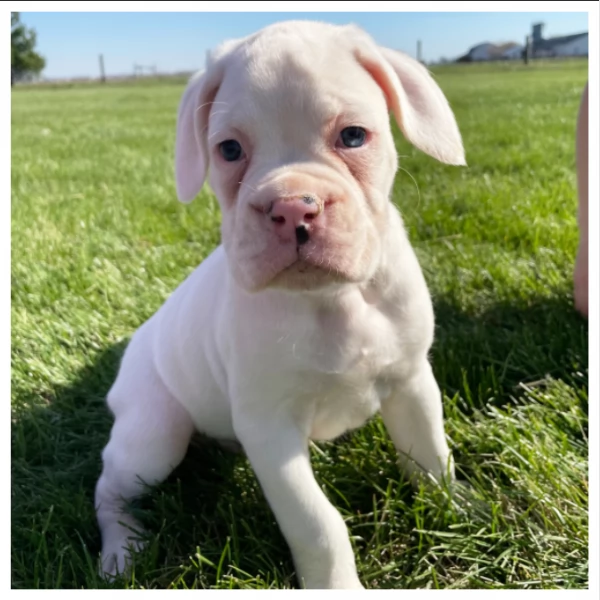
(313, 314)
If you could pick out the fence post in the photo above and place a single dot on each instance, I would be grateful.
(527, 51)
(102, 75)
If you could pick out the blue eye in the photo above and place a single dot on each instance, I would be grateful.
(230, 150)
(353, 137)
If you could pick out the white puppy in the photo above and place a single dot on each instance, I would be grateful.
(313, 314)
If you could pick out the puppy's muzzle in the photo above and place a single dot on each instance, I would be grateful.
(294, 217)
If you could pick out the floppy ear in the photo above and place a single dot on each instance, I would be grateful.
(418, 104)
(191, 147)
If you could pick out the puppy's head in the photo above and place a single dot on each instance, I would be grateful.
(294, 124)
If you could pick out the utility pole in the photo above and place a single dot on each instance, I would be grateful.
(102, 74)
(419, 53)
(527, 50)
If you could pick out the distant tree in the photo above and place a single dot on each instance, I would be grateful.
(24, 60)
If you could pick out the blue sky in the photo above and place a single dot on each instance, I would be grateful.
(71, 42)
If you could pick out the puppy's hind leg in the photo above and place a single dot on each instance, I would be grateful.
(148, 440)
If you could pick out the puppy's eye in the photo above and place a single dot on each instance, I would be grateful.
(230, 150)
(353, 137)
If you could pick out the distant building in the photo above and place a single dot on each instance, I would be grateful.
(513, 53)
(565, 45)
(478, 53)
(487, 51)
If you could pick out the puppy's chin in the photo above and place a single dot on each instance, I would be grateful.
(303, 276)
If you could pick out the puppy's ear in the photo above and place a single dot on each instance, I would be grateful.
(191, 145)
(418, 104)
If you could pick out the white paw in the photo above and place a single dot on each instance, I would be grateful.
(117, 554)
(347, 584)
(466, 499)
(331, 581)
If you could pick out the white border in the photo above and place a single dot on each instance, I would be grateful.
(327, 6)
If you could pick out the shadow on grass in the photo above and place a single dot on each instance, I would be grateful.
(212, 501)
(489, 357)
(56, 461)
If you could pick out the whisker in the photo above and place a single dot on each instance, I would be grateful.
(416, 185)
(248, 186)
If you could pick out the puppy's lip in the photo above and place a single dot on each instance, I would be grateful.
(305, 266)
(302, 266)
(303, 275)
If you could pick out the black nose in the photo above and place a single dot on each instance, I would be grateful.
(301, 235)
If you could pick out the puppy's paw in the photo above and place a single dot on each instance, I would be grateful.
(321, 575)
(117, 553)
(450, 491)
(354, 585)
(347, 583)
(350, 585)
(464, 498)
(419, 478)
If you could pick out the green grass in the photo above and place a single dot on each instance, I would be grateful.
(99, 241)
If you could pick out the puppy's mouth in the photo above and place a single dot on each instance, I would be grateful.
(306, 274)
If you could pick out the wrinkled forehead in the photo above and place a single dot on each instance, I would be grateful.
(287, 87)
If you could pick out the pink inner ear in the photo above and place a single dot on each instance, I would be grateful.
(395, 93)
(376, 71)
(191, 150)
(418, 104)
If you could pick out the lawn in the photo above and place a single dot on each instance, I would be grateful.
(98, 243)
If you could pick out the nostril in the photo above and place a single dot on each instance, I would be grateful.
(278, 219)
(301, 235)
(309, 216)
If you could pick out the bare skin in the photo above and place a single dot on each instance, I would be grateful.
(580, 278)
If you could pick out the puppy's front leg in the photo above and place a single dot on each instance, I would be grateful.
(413, 416)
(314, 529)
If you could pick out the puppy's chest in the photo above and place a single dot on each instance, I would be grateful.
(352, 368)
(343, 401)
(359, 345)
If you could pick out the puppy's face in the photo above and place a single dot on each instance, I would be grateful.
(302, 160)
(295, 128)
